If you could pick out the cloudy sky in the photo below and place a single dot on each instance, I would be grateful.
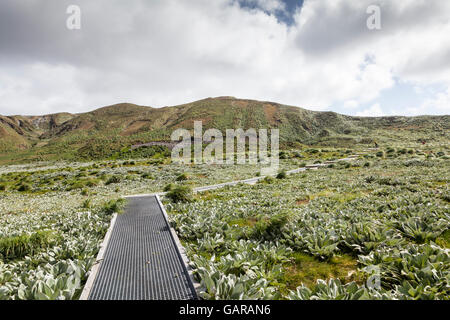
(316, 54)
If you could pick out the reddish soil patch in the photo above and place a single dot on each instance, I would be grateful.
(189, 123)
(134, 127)
(86, 125)
(251, 221)
(302, 202)
(240, 104)
(271, 112)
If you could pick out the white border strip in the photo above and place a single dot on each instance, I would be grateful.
(98, 261)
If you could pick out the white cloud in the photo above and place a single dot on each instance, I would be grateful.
(40, 94)
(168, 52)
(440, 104)
(373, 111)
(351, 104)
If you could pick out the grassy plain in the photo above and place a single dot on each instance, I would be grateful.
(390, 209)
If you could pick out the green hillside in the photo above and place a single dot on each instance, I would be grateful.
(99, 134)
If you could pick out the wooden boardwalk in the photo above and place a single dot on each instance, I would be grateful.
(142, 259)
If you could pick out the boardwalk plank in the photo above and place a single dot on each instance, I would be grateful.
(142, 260)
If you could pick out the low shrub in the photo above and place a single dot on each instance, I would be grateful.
(182, 177)
(24, 187)
(270, 228)
(268, 180)
(283, 155)
(91, 183)
(168, 187)
(113, 179)
(370, 179)
(180, 194)
(390, 182)
(147, 176)
(114, 206)
(446, 197)
(16, 247)
(282, 174)
(76, 185)
(87, 204)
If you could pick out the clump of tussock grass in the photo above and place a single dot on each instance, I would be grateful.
(269, 228)
(282, 174)
(168, 187)
(180, 194)
(182, 177)
(114, 206)
(112, 180)
(16, 247)
(87, 204)
(24, 187)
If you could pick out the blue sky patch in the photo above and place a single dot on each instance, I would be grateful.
(286, 16)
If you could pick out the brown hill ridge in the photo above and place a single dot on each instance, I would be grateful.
(97, 134)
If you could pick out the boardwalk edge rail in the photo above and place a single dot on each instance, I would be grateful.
(250, 180)
(98, 261)
(181, 250)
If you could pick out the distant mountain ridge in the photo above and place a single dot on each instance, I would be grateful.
(99, 133)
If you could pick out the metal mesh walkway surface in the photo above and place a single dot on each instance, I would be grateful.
(142, 260)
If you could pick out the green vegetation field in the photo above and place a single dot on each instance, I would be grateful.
(313, 235)
(374, 229)
(54, 216)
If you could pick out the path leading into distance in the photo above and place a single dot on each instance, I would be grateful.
(142, 259)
